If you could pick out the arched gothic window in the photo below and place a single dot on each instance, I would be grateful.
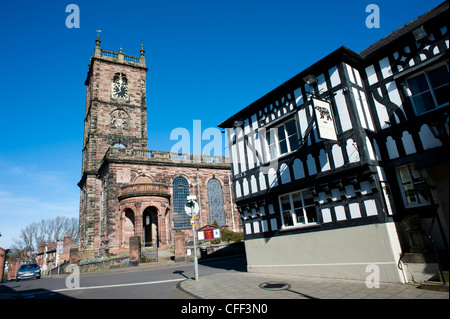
(180, 194)
(215, 200)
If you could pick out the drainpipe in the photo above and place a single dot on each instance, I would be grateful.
(231, 202)
(199, 200)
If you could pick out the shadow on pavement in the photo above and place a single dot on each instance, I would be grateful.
(232, 262)
(7, 291)
(278, 286)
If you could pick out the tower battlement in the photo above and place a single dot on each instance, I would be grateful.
(119, 57)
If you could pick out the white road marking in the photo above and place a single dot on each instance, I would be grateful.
(120, 285)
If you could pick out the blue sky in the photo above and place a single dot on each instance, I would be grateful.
(206, 59)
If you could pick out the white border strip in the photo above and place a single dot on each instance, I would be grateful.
(335, 264)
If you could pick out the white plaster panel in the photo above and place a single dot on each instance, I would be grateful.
(371, 207)
(262, 181)
(299, 172)
(386, 70)
(338, 158)
(427, 138)
(285, 174)
(311, 164)
(334, 77)
(344, 117)
(326, 215)
(339, 212)
(391, 148)
(273, 224)
(323, 160)
(371, 75)
(354, 210)
(408, 143)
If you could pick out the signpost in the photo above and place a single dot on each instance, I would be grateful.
(192, 209)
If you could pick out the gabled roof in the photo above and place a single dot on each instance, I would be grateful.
(335, 57)
(405, 29)
(342, 54)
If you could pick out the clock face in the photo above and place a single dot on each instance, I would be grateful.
(120, 88)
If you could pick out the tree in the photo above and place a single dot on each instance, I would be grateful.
(45, 231)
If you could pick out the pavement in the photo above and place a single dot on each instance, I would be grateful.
(243, 285)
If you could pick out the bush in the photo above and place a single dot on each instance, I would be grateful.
(231, 236)
(227, 235)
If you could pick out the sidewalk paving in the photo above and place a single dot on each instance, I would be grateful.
(243, 285)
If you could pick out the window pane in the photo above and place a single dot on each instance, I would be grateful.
(287, 218)
(285, 203)
(270, 137)
(300, 216)
(438, 77)
(293, 142)
(409, 193)
(283, 147)
(290, 128)
(282, 140)
(281, 135)
(308, 199)
(417, 177)
(424, 102)
(418, 84)
(404, 174)
(311, 214)
(422, 192)
(442, 95)
(297, 200)
(292, 135)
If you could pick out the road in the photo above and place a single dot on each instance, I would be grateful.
(144, 282)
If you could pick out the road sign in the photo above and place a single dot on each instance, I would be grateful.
(59, 247)
(191, 208)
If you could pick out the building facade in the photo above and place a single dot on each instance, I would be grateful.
(332, 168)
(127, 190)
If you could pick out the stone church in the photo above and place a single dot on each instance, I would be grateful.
(127, 190)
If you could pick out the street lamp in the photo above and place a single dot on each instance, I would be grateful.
(439, 131)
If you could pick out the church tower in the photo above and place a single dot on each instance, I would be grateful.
(116, 116)
(116, 112)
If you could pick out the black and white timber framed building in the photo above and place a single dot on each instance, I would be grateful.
(331, 206)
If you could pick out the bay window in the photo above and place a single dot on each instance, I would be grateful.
(429, 90)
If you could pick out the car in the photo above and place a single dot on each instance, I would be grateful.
(30, 270)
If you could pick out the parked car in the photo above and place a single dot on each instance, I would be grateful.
(30, 270)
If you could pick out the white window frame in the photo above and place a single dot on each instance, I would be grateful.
(276, 141)
(411, 183)
(296, 224)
